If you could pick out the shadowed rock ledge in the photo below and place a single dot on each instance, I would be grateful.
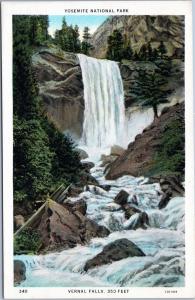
(61, 88)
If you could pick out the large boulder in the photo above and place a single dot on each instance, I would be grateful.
(80, 206)
(19, 271)
(87, 165)
(92, 229)
(130, 210)
(82, 153)
(63, 226)
(116, 150)
(170, 186)
(121, 198)
(107, 159)
(114, 251)
(140, 220)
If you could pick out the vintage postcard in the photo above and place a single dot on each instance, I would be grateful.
(98, 170)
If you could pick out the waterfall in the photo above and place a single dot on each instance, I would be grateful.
(104, 115)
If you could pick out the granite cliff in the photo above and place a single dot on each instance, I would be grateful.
(60, 87)
(141, 30)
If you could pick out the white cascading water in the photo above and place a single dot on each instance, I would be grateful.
(104, 115)
(162, 241)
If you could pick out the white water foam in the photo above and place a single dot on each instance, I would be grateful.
(104, 115)
(162, 242)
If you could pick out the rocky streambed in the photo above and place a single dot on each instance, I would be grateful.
(139, 245)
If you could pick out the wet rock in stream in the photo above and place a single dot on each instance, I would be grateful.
(114, 251)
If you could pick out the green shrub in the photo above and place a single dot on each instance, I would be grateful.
(170, 155)
(28, 241)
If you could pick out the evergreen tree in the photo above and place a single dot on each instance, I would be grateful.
(32, 160)
(149, 52)
(149, 89)
(143, 53)
(64, 24)
(85, 45)
(38, 29)
(68, 37)
(162, 50)
(77, 43)
(115, 46)
(136, 56)
(25, 90)
(155, 55)
(128, 52)
(66, 162)
(32, 156)
(43, 157)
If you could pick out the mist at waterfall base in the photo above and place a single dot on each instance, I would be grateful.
(162, 241)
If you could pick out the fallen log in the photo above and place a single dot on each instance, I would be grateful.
(31, 220)
(58, 196)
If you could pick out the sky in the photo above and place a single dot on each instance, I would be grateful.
(93, 22)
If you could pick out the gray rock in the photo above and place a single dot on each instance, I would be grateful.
(142, 221)
(82, 153)
(114, 251)
(19, 271)
(92, 229)
(116, 150)
(87, 165)
(121, 198)
(81, 206)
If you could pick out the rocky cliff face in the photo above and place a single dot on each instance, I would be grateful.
(138, 159)
(130, 72)
(61, 88)
(140, 30)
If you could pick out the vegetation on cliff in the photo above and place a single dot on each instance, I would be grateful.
(150, 85)
(43, 157)
(119, 47)
(170, 154)
(159, 150)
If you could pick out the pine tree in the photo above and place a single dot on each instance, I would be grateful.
(149, 52)
(155, 55)
(32, 160)
(115, 46)
(136, 56)
(149, 89)
(68, 38)
(64, 24)
(43, 158)
(85, 45)
(25, 91)
(143, 53)
(32, 156)
(38, 29)
(162, 50)
(128, 52)
(77, 43)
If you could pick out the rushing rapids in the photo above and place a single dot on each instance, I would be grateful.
(162, 242)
